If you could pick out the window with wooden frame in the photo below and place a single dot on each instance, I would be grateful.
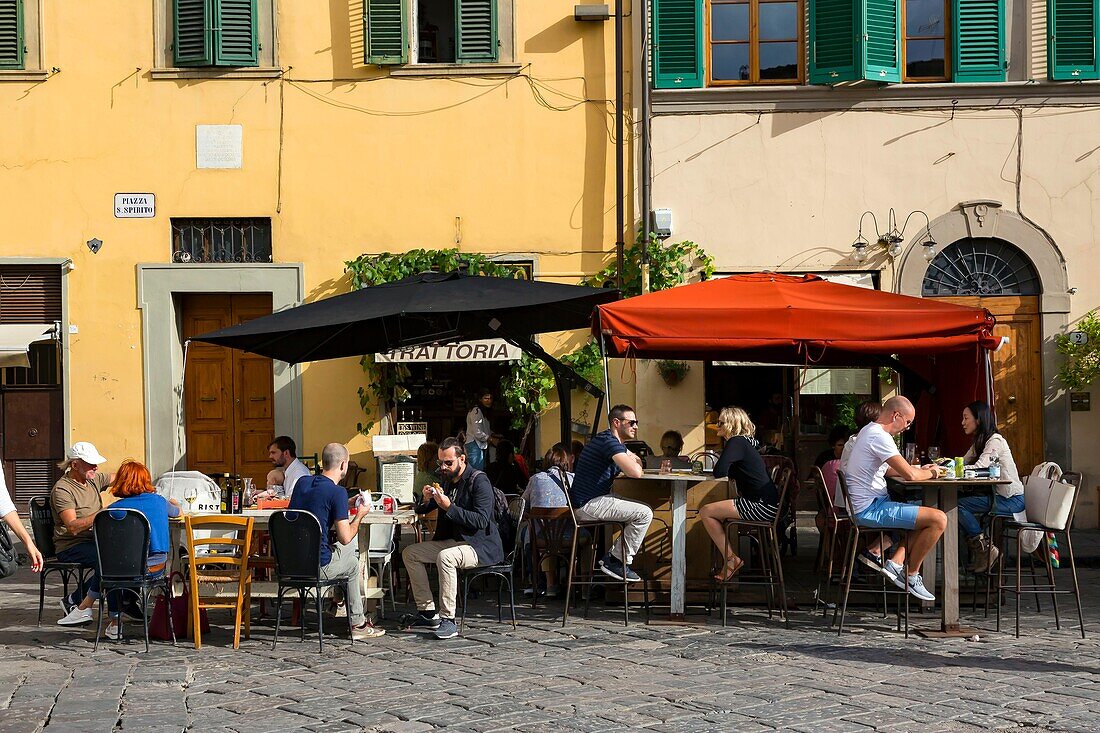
(755, 41)
(925, 45)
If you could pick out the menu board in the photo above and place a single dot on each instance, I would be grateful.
(398, 477)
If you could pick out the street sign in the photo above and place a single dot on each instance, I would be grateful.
(1078, 338)
(135, 205)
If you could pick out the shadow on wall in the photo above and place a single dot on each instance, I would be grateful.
(782, 123)
(329, 288)
(348, 49)
(589, 212)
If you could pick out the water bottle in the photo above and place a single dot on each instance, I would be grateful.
(995, 468)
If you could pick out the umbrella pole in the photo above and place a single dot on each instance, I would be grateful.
(606, 381)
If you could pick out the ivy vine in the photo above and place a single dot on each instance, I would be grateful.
(1082, 361)
(528, 388)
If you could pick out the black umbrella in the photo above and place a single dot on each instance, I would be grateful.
(425, 308)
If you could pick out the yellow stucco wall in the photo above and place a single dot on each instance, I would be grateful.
(342, 157)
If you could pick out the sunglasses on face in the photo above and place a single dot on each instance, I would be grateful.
(908, 421)
(631, 423)
(447, 463)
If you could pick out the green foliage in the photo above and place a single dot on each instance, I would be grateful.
(670, 264)
(1082, 364)
(384, 381)
(846, 410)
(673, 372)
(526, 389)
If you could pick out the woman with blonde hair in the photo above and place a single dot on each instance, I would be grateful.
(758, 498)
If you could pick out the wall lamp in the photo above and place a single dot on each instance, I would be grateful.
(595, 13)
(891, 241)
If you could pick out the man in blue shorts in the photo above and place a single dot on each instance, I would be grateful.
(874, 456)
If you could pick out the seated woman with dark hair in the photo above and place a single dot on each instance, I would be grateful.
(133, 487)
(672, 444)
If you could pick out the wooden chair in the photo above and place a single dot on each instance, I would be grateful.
(228, 565)
(834, 522)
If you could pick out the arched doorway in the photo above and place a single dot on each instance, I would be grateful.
(994, 274)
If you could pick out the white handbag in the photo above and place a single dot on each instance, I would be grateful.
(1047, 499)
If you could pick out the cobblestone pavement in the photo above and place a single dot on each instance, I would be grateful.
(594, 675)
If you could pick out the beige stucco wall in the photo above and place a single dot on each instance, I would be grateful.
(342, 157)
(785, 191)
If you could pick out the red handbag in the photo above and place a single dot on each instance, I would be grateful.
(158, 624)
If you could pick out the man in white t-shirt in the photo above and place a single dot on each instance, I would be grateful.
(284, 457)
(873, 457)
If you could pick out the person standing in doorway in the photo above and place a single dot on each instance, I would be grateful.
(479, 429)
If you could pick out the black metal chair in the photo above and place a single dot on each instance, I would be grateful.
(42, 528)
(766, 537)
(591, 576)
(851, 550)
(1038, 588)
(296, 537)
(122, 548)
(517, 509)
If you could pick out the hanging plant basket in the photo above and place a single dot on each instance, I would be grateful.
(673, 372)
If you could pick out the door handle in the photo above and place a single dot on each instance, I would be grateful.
(33, 432)
(1012, 399)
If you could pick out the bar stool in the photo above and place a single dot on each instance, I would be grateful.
(851, 549)
(766, 537)
(833, 519)
(1037, 588)
(592, 576)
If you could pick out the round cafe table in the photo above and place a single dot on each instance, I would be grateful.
(943, 494)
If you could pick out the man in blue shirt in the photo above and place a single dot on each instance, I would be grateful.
(324, 499)
(604, 458)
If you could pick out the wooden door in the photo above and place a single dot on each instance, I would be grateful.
(1017, 374)
(229, 413)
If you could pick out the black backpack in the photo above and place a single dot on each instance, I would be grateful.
(505, 524)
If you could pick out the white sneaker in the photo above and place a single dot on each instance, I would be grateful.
(76, 617)
(916, 588)
(896, 574)
(113, 631)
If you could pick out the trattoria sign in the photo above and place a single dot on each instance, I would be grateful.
(478, 350)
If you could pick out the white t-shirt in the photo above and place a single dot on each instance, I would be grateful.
(865, 470)
(6, 505)
(291, 473)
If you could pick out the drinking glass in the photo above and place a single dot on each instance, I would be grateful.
(190, 494)
(933, 453)
(911, 453)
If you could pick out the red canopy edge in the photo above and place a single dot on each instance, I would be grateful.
(787, 319)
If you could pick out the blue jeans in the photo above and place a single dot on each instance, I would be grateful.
(82, 553)
(475, 456)
(970, 507)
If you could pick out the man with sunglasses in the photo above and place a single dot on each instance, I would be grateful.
(466, 535)
(604, 458)
(874, 456)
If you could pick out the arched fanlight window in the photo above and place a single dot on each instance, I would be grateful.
(981, 267)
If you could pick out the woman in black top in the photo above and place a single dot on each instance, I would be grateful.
(758, 498)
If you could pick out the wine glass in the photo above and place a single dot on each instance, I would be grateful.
(189, 495)
(933, 453)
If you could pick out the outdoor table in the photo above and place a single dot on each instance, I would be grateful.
(678, 484)
(260, 519)
(943, 493)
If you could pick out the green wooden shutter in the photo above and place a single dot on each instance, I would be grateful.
(834, 41)
(882, 40)
(385, 25)
(978, 41)
(11, 34)
(678, 45)
(193, 43)
(476, 31)
(1071, 50)
(235, 38)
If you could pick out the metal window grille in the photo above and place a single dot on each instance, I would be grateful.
(981, 267)
(221, 240)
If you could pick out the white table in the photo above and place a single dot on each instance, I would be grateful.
(678, 484)
(260, 519)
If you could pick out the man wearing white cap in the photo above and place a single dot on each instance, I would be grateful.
(75, 499)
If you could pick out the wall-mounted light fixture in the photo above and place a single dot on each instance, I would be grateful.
(892, 240)
(594, 13)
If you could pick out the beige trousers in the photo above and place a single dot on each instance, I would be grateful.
(448, 556)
